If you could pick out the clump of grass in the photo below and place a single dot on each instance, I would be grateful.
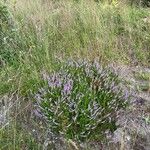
(142, 76)
(85, 29)
(13, 136)
(81, 100)
(144, 87)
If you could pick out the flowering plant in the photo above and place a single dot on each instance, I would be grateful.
(81, 100)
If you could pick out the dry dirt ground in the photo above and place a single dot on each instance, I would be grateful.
(135, 121)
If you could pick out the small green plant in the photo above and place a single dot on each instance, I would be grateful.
(4, 23)
(144, 87)
(81, 100)
(6, 34)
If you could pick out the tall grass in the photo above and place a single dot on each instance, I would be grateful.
(46, 30)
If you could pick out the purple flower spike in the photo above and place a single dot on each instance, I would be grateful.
(68, 87)
(50, 84)
(57, 83)
(54, 81)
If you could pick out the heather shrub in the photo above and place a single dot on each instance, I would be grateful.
(81, 100)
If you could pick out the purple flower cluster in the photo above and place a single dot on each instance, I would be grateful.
(54, 81)
(68, 87)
